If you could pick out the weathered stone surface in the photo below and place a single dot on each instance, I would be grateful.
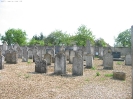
(40, 65)
(35, 50)
(88, 47)
(108, 61)
(67, 54)
(128, 60)
(25, 55)
(119, 75)
(19, 50)
(48, 58)
(89, 60)
(30, 54)
(1, 60)
(60, 63)
(72, 54)
(77, 68)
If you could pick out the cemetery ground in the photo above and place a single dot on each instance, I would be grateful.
(19, 81)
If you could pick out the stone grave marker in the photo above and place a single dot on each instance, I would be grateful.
(89, 60)
(35, 50)
(108, 61)
(72, 54)
(1, 60)
(48, 58)
(30, 54)
(60, 63)
(25, 55)
(77, 67)
(128, 59)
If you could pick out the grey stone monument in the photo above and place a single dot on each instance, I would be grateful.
(77, 68)
(72, 54)
(89, 61)
(25, 54)
(35, 50)
(1, 60)
(48, 58)
(108, 61)
(60, 63)
(128, 60)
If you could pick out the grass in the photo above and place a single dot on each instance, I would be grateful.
(102, 79)
(29, 62)
(119, 63)
(93, 68)
(108, 75)
(97, 74)
(87, 79)
(26, 75)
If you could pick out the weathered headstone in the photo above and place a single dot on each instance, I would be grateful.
(67, 54)
(25, 55)
(1, 60)
(19, 50)
(60, 63)
(77, 68)
(30, 54)
(116, 54)
(72, 54)
(35, 50)
(128, 59)
(108, 61)
(5, 46)
(89, 61)
(48, 58)
(51, 52)
(88, 47)
(40, 65)
(75, 48)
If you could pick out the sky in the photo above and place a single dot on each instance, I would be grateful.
(105, 18)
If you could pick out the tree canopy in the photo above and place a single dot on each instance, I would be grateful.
(123, 39)
(13, 36)
(100, 42)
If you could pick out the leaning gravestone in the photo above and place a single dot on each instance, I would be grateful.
(128, 60)
(40, 65)
(77, 68)
(89, 61)
(60, 63)
(48, 58)
(108, 61)
(25, 55)
(1, 60)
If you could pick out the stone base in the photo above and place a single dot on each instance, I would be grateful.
(108, 68)
(119, 75)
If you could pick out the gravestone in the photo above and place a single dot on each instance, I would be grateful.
(77, 68)
(16, 46)
(101, 52)
(11, 56)
(60, 63)
(1, 60)
(75, 48)
(108, 61)
(51, 52)
(89, 61)
(48, 58)
(40, 65)
(35, 50)
(88, 47)
(30, 54)
(116, 54)
(5, 46)
(25, 55)
(67, 54)
(128, 59)
(19, 50)
(72, 54)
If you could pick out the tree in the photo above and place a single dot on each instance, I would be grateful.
(13, 36)
(100, 42)
(83, 34)
(124, 39)
(37, 40)
(57, 37)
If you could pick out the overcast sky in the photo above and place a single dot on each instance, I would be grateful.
(105, 18)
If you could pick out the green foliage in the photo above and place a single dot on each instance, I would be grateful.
(100, 42)
(124, 39)
(83, 34)
(87, 79)
(13, 36)
(93, 68)
(119, 63)
(108, 75)
(97, 74)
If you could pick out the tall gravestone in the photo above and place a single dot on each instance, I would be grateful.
(77, 68)
(88, 56)
(132, 55)
(5, 47)
(35, 50)
(48, 58)
(25, 54)
(108, 61)
(19, 50)
(30, 54)
(67, 54)
(72, 54)
(60, 63)
(51, 52)
(1, 60)
(128, 59)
